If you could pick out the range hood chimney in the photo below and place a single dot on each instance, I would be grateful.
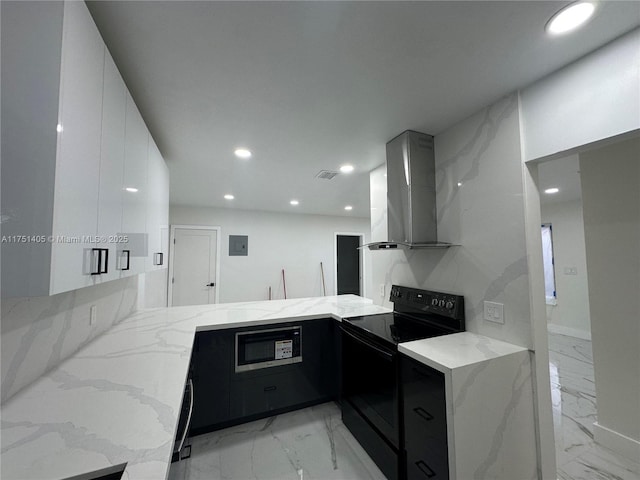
(411, 194)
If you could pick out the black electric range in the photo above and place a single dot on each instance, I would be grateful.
(371, 369)
(416, 314)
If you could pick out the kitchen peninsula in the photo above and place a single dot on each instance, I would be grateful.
(116, 402)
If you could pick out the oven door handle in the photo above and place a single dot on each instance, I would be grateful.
(387, 355)
(188, 424)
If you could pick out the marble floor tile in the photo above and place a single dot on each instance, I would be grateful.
(308, 444)
(574, 412)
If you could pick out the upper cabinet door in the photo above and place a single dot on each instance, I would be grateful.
(164, 213)
(111, 192)
(156, 258)
(78, 152)
(132, 254)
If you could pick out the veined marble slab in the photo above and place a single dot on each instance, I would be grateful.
(308, 444)
(490, 411)
(117, 400)
(457, 350)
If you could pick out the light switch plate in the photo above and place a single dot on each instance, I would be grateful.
(382, 290)
(494, 312)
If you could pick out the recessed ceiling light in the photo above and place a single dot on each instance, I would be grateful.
(59, 128)
(242, 153)
(459, 184)
(570, 17)
(131, 189)
(228, 196)
(294, 202)
(552, 190)
(348, 207)
(346, 168)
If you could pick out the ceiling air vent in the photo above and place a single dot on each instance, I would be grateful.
(326, 174)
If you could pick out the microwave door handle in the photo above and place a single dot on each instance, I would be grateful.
(383, 353)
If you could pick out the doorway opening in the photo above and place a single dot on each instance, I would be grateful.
(194, 266)
(590, 197)
(349, 264)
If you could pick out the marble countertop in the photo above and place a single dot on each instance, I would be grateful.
(457, 350)
(117, 400)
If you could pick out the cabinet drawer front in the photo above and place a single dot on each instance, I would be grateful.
(256, 395)
(424, 396)
(420, 467)
(430, 434)
(425, 421)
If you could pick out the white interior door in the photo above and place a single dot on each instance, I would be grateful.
(194, 266)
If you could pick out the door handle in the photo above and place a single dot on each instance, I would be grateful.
(126, 253)
(102, 262)
(210, 284)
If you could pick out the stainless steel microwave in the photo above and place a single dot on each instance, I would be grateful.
(268, 348)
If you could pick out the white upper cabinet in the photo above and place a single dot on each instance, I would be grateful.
(157, 209)
(110, 193)
(164, 213)
(78, 152)
(78, 207)
(133, 253)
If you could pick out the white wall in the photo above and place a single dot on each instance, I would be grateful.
(295, 242)
(610, 179)
(570, 316)
(594, 98)
(484, 215)
(39, 332)
(591, 100)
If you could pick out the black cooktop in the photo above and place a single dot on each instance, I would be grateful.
(394, 327)
(417, 314)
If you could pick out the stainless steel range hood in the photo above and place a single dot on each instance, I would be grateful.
(411, 194)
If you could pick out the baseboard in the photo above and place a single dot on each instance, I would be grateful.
(621, 444)
(571, 332)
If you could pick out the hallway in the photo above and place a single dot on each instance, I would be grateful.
(574, 411)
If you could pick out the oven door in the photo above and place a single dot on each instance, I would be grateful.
(370, 382)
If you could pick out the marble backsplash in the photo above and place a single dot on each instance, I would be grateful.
(152, 289)
(39, 332)
(480, 207)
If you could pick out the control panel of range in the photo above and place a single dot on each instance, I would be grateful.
(445, 304)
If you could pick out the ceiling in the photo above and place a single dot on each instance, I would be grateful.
(316, 84)
(563, 174)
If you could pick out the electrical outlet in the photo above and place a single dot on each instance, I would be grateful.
(571, 270)
(494, 312)
(93, 314)
(382, 290)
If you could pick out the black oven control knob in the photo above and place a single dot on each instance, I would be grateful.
(441, 303)
(434, 302)
(449, 305)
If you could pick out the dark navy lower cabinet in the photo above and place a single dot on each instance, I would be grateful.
(224, 397)
(211, 367)
(425, 421)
